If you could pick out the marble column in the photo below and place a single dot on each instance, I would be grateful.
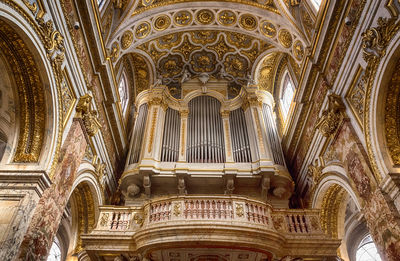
(380, 214)
(47, 215)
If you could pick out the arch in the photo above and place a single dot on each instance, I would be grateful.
(37, 82)
(84, 201)
(382, 112)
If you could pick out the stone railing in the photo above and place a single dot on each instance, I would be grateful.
(239, 210)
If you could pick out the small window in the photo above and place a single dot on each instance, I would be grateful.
(100, 3)
(287, 95)
(55, 251)
(123, 92)
(367, 250)
(316, 3)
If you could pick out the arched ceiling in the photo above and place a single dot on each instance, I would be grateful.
(225, 39)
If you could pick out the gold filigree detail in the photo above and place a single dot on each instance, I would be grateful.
(183, 18)
(285, 38)
(239, 210)
(332, 117)
(162, 22)
(298, 50)
(68, 97)
(85, 112)
(177, 209)
(186, 48)
(221, 48)
(248, 22)
(30, 94)
(330, 209)
(205, 16)
(142, 30)
(152, 129)
(114, 52)
(126, 40)
(227, 18)
(268, 29)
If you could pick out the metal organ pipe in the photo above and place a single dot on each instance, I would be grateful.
(273, 135)
(138, 133)
(205, 140)
(170, 144)
(239, 136)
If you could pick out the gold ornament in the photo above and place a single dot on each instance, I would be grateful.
(298, 50)
(162, 22)
(142, 30)
(268, 29)
(126, 40)
(114, 53)
(205, 16)
(183, 18)
(248, 22)
(285, 38)
(85, 112)
(227, 18)
(147, 2)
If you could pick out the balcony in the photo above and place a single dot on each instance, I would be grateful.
(203, 223)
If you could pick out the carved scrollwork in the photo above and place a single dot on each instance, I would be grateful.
(332, 117)
(87, 114)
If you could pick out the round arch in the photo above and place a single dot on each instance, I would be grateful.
(37, 96)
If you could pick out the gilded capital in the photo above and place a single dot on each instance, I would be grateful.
(88, 115)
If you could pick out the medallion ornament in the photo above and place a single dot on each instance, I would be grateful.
(298, 50)
(126, 40)
(285, 38)
(268, 29)
(162, 22)
(114, 52)
(248, 22)
(183, 18)
(227, 18)
(205, 16)
(142, 30)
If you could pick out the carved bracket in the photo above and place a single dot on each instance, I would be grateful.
(332, 117)
(88, 115)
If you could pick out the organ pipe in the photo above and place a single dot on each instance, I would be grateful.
(272, 135)
(205, 138)
(170, 144)
(138, 133)
(239, 136)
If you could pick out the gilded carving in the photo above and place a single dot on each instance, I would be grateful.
(152, 129)
(228, 137)
(332, 117)
(88, 115)
(104, 219)
(183, 18)
(183, 136)
(330, 208)
(239, 210)
(177, 209)
(68, 97)
(186, 48)
(285, 38)
(248, 22)
(126, 40)
(298, 50)
(114, 52)
(205, 16)
(142, 30)
(356, 95)
(220, 47)
(268, 29)
(227, 17)
(162, 22)
(30, 93)
(392, 114)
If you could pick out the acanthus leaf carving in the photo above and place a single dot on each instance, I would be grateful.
(88, 115)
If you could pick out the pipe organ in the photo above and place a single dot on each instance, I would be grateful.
(138, 133)
(206, 142)
(239, 136)
(170, 144)
(272, 133)
(205, 138)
